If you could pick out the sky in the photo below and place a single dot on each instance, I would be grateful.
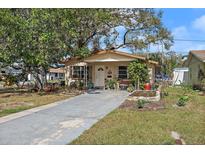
(186, 24)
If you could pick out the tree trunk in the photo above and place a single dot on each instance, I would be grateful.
(23, 84)
(45, 77)
(39, 82)
(138, 84)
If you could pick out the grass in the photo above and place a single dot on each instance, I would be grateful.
(151, 127)
(19, 101)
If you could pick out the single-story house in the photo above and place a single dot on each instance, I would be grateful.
(9, 70)
(53, 74)
(180, 75)
(103, 65)
(56, 74)
(196, 65)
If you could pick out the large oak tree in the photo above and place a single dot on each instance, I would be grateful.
(36, 39)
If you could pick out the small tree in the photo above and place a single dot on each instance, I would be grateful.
(138, 72)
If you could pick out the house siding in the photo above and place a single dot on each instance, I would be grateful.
(108, 66)
(110, 61)
(194, 66)
(113, 66)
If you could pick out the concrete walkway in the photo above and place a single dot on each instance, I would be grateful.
(59, 123)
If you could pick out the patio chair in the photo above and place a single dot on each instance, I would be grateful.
(124, 83)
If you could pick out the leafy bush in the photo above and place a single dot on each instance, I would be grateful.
(203, 84)
(80, 85)
(111, 83)
(77, 85)
(164, 94)
(155, 86)
(90, 85)
(9, 80)
(73, 85)
(182, 100)
(138, 73)
(130, 88)
(141, 103)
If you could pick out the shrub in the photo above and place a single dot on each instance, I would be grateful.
(138, 73)
(155, 86)
(203, 85)
(141, 103)
(182, 100)
(130, 88)
(90, 85)
(111, 84)
(197, 87)
(80, 85)
(165, 93)
(73, 85)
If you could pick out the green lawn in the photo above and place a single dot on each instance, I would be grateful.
(151, 127)
(16, 101)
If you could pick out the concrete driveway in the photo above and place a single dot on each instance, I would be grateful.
(59, 123)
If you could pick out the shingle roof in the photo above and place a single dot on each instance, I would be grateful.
(200, 54)
(74, 59)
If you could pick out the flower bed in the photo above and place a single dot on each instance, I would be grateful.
(144, 93)
(148, 95)
(151, 96)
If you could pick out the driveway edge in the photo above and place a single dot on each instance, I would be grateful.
(32, 110)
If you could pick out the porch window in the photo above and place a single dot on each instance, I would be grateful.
(56, 75)
(61, 75)
(78, 72)
(122, 73)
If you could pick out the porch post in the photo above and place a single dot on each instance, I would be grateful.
(84, 78)
(86, 84)
(80, 73)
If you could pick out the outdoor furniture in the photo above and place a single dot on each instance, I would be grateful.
(124, 83)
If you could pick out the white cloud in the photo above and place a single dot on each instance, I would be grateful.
(199, 23)
(180, 32)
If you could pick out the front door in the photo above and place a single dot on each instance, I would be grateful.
(99, 76)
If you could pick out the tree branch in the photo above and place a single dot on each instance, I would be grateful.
(88, 38)
(124, 41)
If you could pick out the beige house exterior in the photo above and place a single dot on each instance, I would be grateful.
(196, 65)
(103, 65)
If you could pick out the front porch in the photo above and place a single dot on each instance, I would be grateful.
(100, 74)
(103, 68)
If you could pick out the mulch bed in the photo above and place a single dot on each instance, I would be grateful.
(132, 105)
(127, 104)
(144, 93)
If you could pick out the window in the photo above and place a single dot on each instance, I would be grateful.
(122, 73)
(61, 75)
(78, 72)
(56, 75)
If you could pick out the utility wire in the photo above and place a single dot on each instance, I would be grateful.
(187, 40)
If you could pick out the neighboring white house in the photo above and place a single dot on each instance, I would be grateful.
(196, 65)
(56, 74)
(9, 70)
(53, 74)
(180, 75)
